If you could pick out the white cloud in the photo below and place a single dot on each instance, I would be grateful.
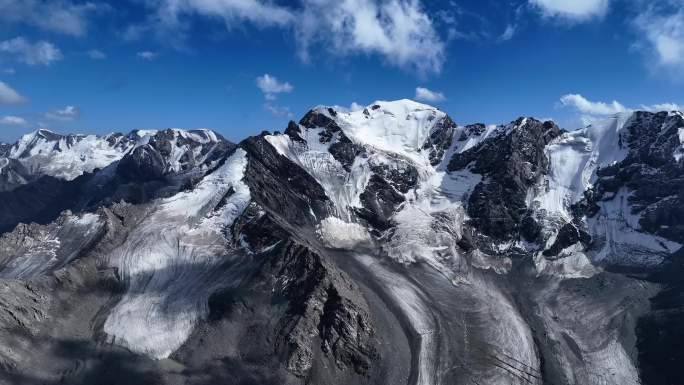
(280, 112)
(231, 11)
(353, 107)
(590, 111)
(575, 10)
(584, 106)
(96, 54)
(10, 120)
(9, 96)
(662, 107)
(38, 53)
(508, 33)
(427, 95)
(663, 34)
(62, 16)
(271, 86)
(66, 114)
(399, 31)
(148, 55)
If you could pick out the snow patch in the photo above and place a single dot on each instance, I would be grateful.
(338, 234)
(571, 262)
(679, 153)
(617, 228)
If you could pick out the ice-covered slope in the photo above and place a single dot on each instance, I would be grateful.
(574, 159)
(590, 161)
(165, 263)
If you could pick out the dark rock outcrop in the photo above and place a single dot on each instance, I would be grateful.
(510, 164)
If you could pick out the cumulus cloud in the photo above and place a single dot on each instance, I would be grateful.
(147, 55)
(427, 95)
(353, 107)
(65, 114)
(271, 86)
(399, 31)
(574, 10)
(591, 111)
(9, 96)
(60, 16)
(662, 27)
(584, 106)
(10, 120)
(37, 53)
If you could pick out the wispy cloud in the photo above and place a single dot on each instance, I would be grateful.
(9, 96)
(65, 114)
(277, 111)
(399, 31)
(61, 16)
(571, 10)
(508, 33)
(32, 53)
(11, 120)
(427, 95)
(96, 54)
(147, 55)
(270, 86)
(662, 107)
(662, 28)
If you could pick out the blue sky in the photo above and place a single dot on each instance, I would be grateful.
(242, 66)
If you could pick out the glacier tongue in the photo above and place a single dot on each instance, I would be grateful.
(167, 258)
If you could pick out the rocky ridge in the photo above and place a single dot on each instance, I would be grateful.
(354, 240)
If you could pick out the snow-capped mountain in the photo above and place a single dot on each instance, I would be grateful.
(387, 245)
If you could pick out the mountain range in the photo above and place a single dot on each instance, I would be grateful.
(385, 245)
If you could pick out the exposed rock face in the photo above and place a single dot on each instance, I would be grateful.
(322, 300)
(440, 140)
(510, 164)
(651, 173)
(298, 198)
(382, 246)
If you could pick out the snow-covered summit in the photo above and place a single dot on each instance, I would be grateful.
(44, 152)
(400, 127)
